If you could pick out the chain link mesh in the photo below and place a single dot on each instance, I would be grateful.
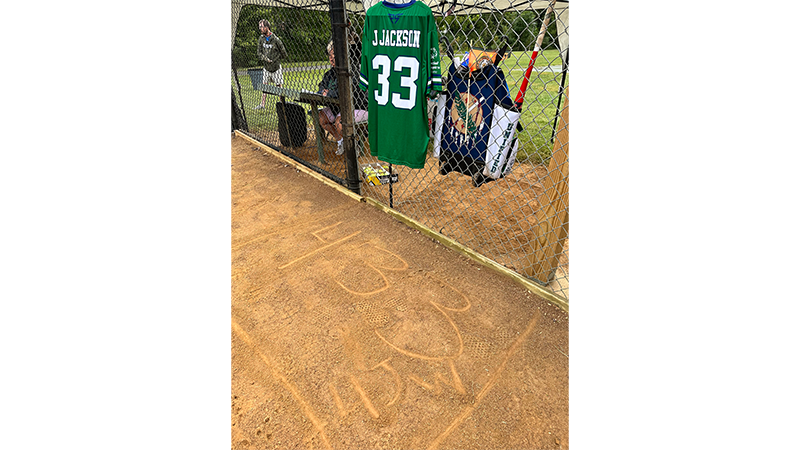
(519, 220)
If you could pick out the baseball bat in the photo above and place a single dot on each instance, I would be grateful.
(499, 56)
(521, 94)
(448, 43)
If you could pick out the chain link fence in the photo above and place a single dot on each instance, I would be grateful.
(286, 93)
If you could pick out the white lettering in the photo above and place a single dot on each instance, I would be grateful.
(397, 38)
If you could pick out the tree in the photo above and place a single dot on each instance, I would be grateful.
(305, 33)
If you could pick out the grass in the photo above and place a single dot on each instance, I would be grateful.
(538, 111)
(306, 77)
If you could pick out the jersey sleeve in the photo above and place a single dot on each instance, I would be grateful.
(435, 77)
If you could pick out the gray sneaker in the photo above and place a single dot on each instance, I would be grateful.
(340, 148)
(259, 107)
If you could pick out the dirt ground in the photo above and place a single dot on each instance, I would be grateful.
(496, 220)
(352, 330)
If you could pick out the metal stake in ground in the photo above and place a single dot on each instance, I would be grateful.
(391, 192)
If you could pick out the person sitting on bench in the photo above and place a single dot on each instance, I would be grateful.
(330, 118)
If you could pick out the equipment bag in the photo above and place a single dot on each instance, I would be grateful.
(237, 119)
(292, 129)
(463, 129)
(502, 149)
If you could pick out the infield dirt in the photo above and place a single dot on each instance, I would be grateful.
(351, 330)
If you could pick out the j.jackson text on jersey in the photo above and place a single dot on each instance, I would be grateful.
(397, 38)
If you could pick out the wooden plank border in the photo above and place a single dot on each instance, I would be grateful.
(444, 240)
(472, 254)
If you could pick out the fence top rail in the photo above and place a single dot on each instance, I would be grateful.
(461, 6)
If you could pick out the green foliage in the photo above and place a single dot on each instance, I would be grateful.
(266, 119)
(491, 31)
(305, 34)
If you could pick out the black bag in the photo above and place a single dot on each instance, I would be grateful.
(294, 116)
(237, 119)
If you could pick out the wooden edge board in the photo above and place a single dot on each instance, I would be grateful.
(472, 254)
(301, 167)
(444, 240)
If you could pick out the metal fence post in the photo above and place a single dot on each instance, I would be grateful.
(339, 25)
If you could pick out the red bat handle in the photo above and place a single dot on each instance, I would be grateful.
(524, 86)
(536, 48)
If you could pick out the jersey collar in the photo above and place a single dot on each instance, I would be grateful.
(400, 5)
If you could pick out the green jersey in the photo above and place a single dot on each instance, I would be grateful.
(399, 69)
